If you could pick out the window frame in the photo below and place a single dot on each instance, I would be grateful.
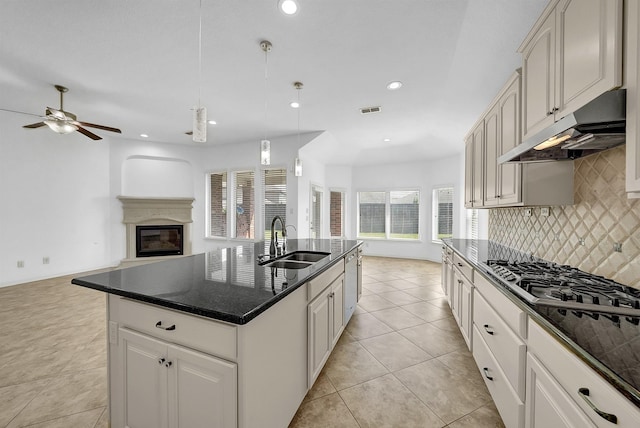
(435, 211)
(388, 204)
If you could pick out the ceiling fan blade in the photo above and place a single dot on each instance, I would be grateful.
(20, 112)
(104, 128)
(35, 125)
(88, 133)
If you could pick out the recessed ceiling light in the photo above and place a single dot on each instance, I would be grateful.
(396, 84)
(213, 122)
(294, 104)
(144, 135)
(288, 7)
(386, 140)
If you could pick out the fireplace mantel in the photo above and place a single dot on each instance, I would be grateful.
(141, 211)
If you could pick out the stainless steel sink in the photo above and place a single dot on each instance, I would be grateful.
(306, 256)
(288, 264)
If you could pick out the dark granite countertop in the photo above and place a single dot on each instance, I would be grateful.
(611, 350)
(226, 284)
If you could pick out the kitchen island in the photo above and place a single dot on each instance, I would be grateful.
(219, 337)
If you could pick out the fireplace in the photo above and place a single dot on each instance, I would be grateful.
(156, 228)
(162, 240)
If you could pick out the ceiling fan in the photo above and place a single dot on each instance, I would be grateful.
(64, 122)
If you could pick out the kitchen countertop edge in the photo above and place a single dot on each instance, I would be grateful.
(218, 315)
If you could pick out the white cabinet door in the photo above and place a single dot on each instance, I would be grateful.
(589, 51)
(337, 310)
(143, 403)
(538, 78)
(319, 328)
(202, 390)
(509, 175)
(491, 152)
(547, 403)
(478, 166)
(468, 172)
(466, 312)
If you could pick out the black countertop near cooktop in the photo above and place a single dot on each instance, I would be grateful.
(608, 345)
(226, 284)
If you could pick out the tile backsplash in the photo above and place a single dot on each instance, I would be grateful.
(582, 235)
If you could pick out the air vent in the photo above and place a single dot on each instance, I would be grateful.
(368, 110)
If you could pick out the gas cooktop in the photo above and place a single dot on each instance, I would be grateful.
(569, 288)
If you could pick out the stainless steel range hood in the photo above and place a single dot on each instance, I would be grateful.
(597, 126)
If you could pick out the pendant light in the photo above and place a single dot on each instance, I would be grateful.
(199, 112)
(297, 168)
(265, 145)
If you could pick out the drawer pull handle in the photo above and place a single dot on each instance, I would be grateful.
(584, 393)
(161, 361)
(486, 373)
(486, 328)
(171, 327)
(168, 364)
(459, 264)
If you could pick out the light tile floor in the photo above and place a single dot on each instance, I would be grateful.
(401, 361)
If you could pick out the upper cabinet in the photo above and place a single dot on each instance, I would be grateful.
(572, 55)
(632, 73)
(502, 133)
(474, 187)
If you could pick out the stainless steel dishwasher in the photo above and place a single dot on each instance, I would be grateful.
(350, 284)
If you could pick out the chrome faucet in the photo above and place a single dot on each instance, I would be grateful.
(273, 247)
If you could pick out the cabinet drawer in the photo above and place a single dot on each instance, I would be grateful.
(211, 337)
(319, 283)
(572, 374)
(464, 267)
(507, 348)
(515, 317)
(509, 405)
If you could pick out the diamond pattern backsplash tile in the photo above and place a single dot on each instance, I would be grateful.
(582, 235)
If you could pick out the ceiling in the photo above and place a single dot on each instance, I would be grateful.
(135, 65)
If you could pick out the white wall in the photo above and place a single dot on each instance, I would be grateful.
(54, 193)
(423, 175)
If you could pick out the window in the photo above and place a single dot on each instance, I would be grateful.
(404, 214)
(245, 205)
(472, 224)
(336, 213)
(442, 213)
(315, 226)
(389, 215)
(218, 205)
(275, 199)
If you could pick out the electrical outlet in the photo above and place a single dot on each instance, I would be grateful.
(617, 247)
(527, 212)
(20, 263)
(556, 236)
(545, 211)
(581, 241)
(45, 260)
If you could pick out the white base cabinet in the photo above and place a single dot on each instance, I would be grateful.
(325, 322)
(547, 403)
(167, 385)
(584, 389)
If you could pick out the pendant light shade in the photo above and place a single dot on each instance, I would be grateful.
(297, 168)
(200, 124)
(265, 152)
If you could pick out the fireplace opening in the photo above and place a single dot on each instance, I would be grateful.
(153, 241)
